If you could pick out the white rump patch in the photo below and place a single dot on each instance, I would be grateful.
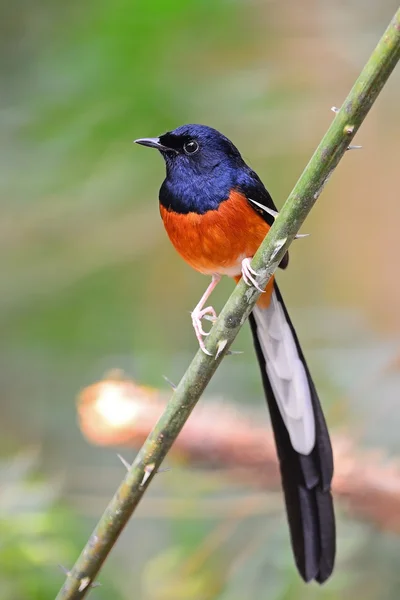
(286, 374)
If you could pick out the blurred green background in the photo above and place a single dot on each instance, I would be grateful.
(89, 280)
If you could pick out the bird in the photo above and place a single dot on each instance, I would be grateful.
(216, 212)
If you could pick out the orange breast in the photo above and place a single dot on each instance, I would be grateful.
(217, 241)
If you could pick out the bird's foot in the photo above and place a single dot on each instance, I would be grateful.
(249, 274)
(197, 316)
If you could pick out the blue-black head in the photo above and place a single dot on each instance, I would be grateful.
(195, 148)
(203, 166)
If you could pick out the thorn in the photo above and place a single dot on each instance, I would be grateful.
(164, 469)
(220, 347)
(274, 213)
(147, 472)
(64, 570)
(124, 462)
(270, 211)
(334, 109)
(279, 244)
(354, 147)
(233, 352)
(169, 382)
(349, 129)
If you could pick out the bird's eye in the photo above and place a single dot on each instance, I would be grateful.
(191, 147)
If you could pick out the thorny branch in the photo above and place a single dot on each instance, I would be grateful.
(301, 200)
(219, 435)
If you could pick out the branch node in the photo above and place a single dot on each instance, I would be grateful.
(147, 472)
(349, 129)
(84, 583)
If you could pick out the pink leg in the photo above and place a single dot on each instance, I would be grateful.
(199, 313)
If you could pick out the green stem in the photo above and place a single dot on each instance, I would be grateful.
(305, 193)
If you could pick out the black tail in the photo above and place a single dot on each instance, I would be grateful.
(306, 477)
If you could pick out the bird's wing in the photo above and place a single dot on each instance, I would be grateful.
(260, 200)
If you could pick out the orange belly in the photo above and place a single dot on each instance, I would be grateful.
(218, 241)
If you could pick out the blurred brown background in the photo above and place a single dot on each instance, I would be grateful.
(89, 280)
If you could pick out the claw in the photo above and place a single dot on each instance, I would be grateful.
(204, 349)
(197, 316)
(208, 313)
(247, 275)
(210, 318)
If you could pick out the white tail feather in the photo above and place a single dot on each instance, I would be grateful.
(286, 374)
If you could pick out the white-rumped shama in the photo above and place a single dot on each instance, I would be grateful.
(216, 212)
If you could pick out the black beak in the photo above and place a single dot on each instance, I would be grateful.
(153, 143)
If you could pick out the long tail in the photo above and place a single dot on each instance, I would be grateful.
(301, 437)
